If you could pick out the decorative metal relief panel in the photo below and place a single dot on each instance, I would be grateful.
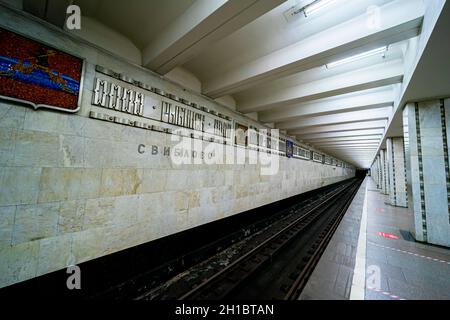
(120, 93)
(317, 157)
(240, 134)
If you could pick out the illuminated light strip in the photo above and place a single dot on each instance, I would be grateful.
(385, 293)
(357, 57)
(316, 6)
(410, 253)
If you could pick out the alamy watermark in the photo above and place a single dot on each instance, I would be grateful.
(73, 18)
(373, 280)
(74, 279)
(373, 21)
(238, 147)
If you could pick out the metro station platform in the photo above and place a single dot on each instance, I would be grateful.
(209, 150)
(372, 256)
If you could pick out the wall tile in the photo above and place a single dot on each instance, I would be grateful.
(12, 115)
(126, 210)
(430, 116)
(19, 263)
(153, 180)
(44, 120)
(98, 153)
(54, 254)
(71, 151)
(6, 225)
(35, 222)
(36, 148)
(89, 244)
(59, 184)
(7, 145)
(434, 171)
(71, 216)
(19, 185)
(99, 213)
(117, 182)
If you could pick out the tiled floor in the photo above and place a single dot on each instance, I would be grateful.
(407, 269)
(332, 278)
(397, 267)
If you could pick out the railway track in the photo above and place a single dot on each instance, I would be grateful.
(240, 243)
(229, 280)
(319, 246)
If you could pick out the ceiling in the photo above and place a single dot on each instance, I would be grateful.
(139, 20)
(431, 76)
(275, 67)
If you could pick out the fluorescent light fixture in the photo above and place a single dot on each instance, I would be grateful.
(316, 6)
(357, 57)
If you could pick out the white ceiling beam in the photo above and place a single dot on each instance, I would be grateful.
(374, 148)
(351, 149)
(355, 158)
(365, 156)
(342, 134)
(204, 23)
(348, 117)
(400, 20)
(363, 162)
(348, 150)
(364, 153)
(349, 146)
(362, 100)
(340, 143)
(378, 124)
(379, 75)
(357, 155)
(358, 138)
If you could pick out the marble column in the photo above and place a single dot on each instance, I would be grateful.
(397, 172)
(384, 182)
(427, 132)
(379, 179)
(374, 171)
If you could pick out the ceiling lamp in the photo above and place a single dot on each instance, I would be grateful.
(316, 6)
(381, 51)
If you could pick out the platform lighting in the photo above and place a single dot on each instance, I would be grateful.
(357, 57)
(316, 6)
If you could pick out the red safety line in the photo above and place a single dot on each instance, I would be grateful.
(385, 293)
(410, 253)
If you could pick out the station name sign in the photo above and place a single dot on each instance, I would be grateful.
(116, 91)
(140, 100)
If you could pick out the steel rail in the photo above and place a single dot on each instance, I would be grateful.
(313, 212)
(300, 282)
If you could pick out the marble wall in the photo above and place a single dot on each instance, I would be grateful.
(73, 188)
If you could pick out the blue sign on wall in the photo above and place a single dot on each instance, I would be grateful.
(289, 148)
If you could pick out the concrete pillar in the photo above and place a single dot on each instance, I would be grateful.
(427, 132)
(383, 173)
(397, 172)
(372, 171)
(379, 171)
(375, 172)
